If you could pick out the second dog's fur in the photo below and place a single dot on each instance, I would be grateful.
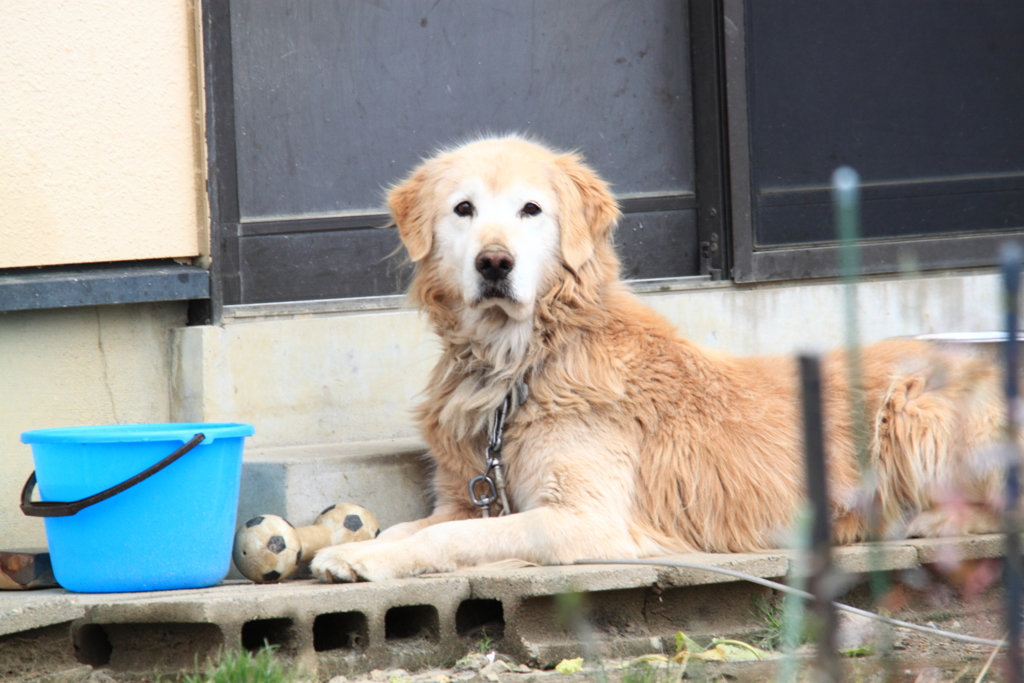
(633, 441)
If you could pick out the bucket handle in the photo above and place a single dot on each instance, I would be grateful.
(52, 508)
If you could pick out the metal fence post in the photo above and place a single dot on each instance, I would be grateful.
(1011, 266)
(822, 582)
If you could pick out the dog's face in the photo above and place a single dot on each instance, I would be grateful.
(499, 238)
(500, 219)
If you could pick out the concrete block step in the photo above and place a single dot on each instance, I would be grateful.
(537, 615)
(388, 477)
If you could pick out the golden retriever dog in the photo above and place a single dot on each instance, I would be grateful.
(622, 439)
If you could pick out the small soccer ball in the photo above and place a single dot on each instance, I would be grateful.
(267, 549)
(350, 522)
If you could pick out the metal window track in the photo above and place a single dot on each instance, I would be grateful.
(390, 302)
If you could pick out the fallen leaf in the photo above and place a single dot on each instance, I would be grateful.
(570, 666)
(721, 650)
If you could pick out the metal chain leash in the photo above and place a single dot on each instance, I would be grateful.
(493, 478)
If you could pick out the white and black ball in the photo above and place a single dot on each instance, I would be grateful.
(267, 549)
(350, 522)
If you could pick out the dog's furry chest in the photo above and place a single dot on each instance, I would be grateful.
(459, 430)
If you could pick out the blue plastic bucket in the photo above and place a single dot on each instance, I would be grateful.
(173, 529)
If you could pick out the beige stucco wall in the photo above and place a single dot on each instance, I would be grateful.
(71, 367)
(98, 132)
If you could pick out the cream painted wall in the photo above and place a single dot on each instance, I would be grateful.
(99, 142)
(71, 367)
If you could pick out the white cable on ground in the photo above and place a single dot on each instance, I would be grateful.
(803, 594)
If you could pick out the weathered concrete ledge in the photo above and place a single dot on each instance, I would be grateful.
(386, 476)
(538, 614)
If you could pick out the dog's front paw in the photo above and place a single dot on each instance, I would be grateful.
(330, 567)
(355, 562)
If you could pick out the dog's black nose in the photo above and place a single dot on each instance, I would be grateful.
(494, 265)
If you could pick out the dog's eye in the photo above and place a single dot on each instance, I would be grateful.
(530, 209)
(463, 209)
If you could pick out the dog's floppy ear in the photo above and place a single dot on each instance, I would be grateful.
(588, 209)
(411, 208)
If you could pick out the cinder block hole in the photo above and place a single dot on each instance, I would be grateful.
(411, 621)
(480, 619)
(340, 631)
(256, 633)
(92, 646)
(150, 646)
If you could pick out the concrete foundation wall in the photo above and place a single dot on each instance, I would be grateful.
(354, 377)
(306, 380)
(72, 367)
(789, 318)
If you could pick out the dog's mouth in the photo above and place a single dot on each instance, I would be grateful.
(490, 290)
